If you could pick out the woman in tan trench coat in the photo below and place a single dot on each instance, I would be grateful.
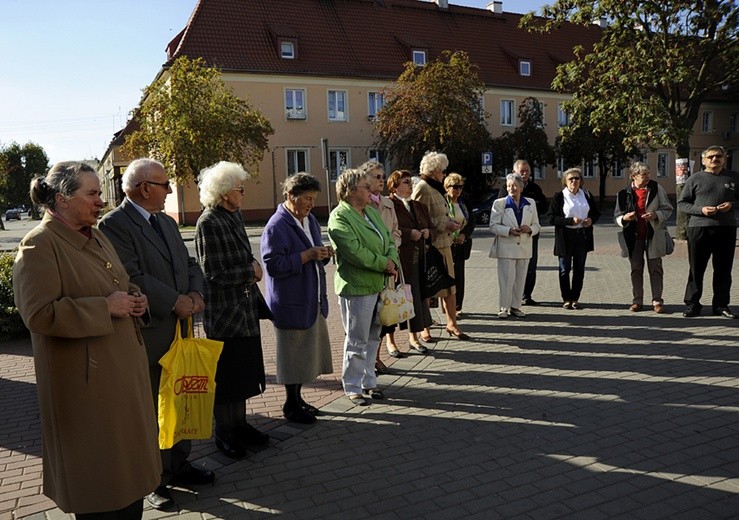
(100, 452)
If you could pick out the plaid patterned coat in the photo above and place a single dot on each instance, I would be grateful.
(225, 255)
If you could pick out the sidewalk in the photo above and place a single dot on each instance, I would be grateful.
(592, 414)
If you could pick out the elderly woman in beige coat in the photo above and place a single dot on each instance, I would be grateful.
(513, 221)
(99, 432)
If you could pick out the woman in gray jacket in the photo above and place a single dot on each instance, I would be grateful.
(641, 212)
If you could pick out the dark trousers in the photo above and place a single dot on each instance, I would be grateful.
(528, 286)
(459, 261)
(577, 252)
(174, 459)
(717, 243)
(133, 512)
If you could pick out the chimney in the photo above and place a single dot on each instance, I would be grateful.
(496, 7)
(443, 4)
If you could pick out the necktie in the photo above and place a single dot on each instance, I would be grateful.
(155, 224)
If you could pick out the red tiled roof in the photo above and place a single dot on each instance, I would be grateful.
(371, 38)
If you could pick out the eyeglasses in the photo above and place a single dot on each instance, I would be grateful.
(457, 186)
(164, 185)
(379, 177)
(573, 179)
(240, 189)
(714, 157)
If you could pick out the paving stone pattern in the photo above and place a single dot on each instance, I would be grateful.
(592, 414)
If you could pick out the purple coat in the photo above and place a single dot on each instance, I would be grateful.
(292, 287)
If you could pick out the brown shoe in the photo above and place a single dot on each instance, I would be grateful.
(659, 308)
(635, 307)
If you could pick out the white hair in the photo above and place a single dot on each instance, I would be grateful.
(217, 180)
(138, 171)
(433, 162)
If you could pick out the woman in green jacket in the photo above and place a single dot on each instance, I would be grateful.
(365, 256)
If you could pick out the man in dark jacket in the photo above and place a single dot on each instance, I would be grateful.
(532, 191)
(708, 197)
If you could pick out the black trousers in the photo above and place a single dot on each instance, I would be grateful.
(528, 286)
(718, 244)
(459, 261)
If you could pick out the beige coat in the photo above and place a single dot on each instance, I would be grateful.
(438, 211)
(98, 423)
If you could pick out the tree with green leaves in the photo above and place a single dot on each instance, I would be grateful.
(189, 119)
(435, 107)
(18, 165)
(528, 141)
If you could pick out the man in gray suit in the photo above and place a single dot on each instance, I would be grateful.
(150, 246)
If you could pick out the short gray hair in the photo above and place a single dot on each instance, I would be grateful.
(217, 180)
(432, 162)
(371, 166)
(348, 182)
(712, 148)
(515, 177)
(63, 178)
(138, 171)
(519, 163)
(300, 183)
(637, 168)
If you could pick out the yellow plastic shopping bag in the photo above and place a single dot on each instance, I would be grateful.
(187, 388)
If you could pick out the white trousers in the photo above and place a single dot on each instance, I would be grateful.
(511, 280)
(361, 342)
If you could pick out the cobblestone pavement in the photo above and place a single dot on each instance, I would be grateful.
(592, 414)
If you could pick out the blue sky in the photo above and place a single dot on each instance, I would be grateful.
(74, 69)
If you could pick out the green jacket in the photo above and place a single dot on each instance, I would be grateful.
(361, 255)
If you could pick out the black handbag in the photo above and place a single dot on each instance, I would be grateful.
(435, 275)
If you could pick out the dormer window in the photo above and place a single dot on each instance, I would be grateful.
(419, 57)
(288, 49)
(524, 67)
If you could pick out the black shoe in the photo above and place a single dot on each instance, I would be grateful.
(194, 476)
(724, 312)
(374, 393)
(310, 408)
(250, 436)
(160, 498)
(298, 415)
(530, 301)
(692, 311)
(230, 447)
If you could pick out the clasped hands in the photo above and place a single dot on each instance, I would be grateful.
(709, 211)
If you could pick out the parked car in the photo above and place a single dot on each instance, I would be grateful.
(13, 214)
(481, 210)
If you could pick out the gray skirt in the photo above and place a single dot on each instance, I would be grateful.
(303, 355)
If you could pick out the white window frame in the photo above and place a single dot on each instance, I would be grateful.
(538, 172)
(707, 122)
(588, 169)
(418, 56)
(287, 50)
(563, 118)
(524, 67)
(337, 98)
(336, 165)
(663, 165)
(293, 109)
(560, 166)
(292, 161)
(375, 101)
(511, 119)
(617, 170)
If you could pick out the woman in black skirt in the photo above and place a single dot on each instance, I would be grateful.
(231, 299)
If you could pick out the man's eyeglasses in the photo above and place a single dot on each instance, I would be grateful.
(164, 185)
(715, 157)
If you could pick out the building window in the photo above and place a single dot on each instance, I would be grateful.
(375, 101)
(707, 122)
(507, 117)
(297, 160)
(563, 118)
(662, 168)
(287, 50)
(732, 124)
(588, 171)
(338, 162)
(524, 67)
(538, 172)
(617, 169)
(561, 167)
(337, 105)
(419, 57)
(295, 103)
(377, 155)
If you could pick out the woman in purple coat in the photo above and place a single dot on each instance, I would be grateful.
(294, 255)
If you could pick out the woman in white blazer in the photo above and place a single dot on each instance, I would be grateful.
(513, 221)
